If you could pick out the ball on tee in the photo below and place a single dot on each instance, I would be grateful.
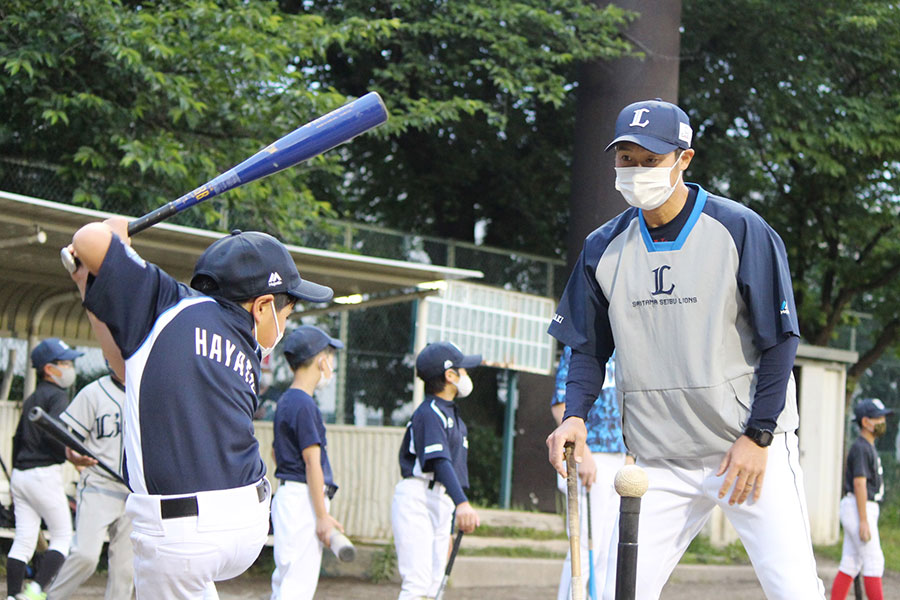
(631, 481)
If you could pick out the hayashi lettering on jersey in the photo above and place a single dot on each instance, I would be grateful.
(222, 350)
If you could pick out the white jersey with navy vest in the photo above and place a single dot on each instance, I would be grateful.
(688, 320)
(96, 414)
(435, 431)
(191, 365)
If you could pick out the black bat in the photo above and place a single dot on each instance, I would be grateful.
(58, 430)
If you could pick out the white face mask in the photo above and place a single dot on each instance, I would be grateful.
(324, 382)
(265, 351)
(645, 187)
(464, 386)
(66, 377)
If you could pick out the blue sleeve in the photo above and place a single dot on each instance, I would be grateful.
(764, 280)
(774, 371)
(128, 294)
(306, 427)
(582, 317)
(586, 375)
(446, 475)
(429, 437)
(562, 373)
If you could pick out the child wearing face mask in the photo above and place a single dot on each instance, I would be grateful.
(433, 463)
(36, 484)
(300, 518)
(863, 490)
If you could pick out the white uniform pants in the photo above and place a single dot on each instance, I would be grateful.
(101, 512)
(298, 551)
(37, 494)
(421, 520)
(856, 556)
(604, 514)
(774, 531)
(181, 558)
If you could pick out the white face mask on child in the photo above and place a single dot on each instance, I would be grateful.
(265, 351)
(324, 382)
(464, 386)
(65, 378)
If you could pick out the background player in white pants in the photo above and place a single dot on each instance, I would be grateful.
(863, 490)
(433, 464)
(596, 472)
(36, 485)
(96, 414)
(300, 518)
(200, 501)
(693, 292)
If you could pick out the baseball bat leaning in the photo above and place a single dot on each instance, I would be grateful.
(592, 578)
(574, 522)
(631, 483)
(61, 433)
(342, 547)
(312, 139)
(453, 553)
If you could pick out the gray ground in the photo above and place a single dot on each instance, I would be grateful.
(693, 582)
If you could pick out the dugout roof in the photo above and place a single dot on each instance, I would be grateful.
(35, 286)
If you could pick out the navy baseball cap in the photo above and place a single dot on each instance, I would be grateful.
(658, 126)
(52, 350)
(248, 264)
(872, 408)
(306, 341)
(436, 358)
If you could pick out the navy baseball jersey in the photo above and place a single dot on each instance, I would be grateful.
(32, 447)
(435, 431)
(298, 425)
(688, 319)
(863, 461)
(191, 365)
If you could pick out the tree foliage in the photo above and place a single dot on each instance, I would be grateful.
(137, 103)
(795, 105)
(480, 93)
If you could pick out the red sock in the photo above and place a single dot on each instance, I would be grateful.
(873, 588)
(841, 586)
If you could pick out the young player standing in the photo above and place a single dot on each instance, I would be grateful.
(433, 458)
(300, 518)
(693, 292)
(96, 414)
(596, 472)
(200, 502)
(863, 490)
(36, 484)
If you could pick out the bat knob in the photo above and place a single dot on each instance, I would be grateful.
(342, 547)
(68, 261)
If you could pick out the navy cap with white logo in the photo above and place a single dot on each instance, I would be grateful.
(871, 408)
(52, 350)
(436, 358)
(249, 264)
(658, 126)
(306, 341)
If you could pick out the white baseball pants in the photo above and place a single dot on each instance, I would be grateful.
(857, 556)
(37, 494)
(181, 558)
(421, 518)
(604, 514)
(298, 551)
(774, 531)
(101, 512)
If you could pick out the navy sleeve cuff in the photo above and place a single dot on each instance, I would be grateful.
(774, 371)
(584, 384)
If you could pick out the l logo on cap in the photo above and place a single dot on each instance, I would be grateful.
(274, 279)
(638, 115)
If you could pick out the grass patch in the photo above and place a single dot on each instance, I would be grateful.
(514, 552)
(518, 533)
(702, 552)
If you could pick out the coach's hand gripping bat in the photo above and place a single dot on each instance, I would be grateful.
(61, 433)
(312, 139)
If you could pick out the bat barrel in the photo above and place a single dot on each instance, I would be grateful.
(342, 547)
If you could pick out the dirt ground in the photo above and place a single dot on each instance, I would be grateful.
(693, 582)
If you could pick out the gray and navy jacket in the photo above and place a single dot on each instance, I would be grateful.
(688, 319)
